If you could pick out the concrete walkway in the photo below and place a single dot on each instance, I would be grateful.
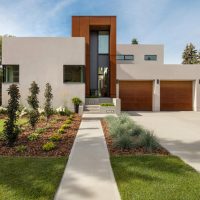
(88, 174)
(178, 132)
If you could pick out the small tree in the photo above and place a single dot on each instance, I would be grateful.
(34, 104)
(190, 55)
(134, 41)
(11, 130)
(48, 101)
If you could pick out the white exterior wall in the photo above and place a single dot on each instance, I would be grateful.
(139, 51)
(162, 72)
(42, 60)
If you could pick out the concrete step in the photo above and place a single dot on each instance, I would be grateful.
(91, 109)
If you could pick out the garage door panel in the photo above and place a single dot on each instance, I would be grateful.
(176, 95)
(136, 95)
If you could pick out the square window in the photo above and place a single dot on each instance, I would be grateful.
(11, 73)
(73, 73)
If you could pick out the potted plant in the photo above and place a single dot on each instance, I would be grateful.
(76, 101)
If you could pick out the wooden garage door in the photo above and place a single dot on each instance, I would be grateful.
(136, 95)
(176, 95)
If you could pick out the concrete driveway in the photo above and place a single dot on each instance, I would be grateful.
(178, 132)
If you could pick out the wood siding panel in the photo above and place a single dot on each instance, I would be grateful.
(136, 95)
(99, 21)
(75, 26)
(113, 41)
(112, 76)
(176, 95)
(81, 28)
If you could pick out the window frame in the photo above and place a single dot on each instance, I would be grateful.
(147, 55)
(78, 82)
(124, 57)
(4, 73)
(98, 52)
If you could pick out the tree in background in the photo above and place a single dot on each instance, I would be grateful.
(190, 55)
(134, 41)
(34, 104)
(0, 49)
(48, 110)
(11, 129)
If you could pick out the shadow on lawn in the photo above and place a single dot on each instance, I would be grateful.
(30, 178)
(148, 167)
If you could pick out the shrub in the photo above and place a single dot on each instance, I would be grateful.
(148, 141)
(41, 111)
(48, 146)
(33, 136)
(121, 125)
(68, 121)
(33, 118)
(34, 104)
(107, 104)
(63, 111)
(123, 142)
(61, 130)
(48, 110)
(40, 130)
(2, 136)
(3, 110)
(76, 101)
(71, 117)
(65, 126)
(11, 129)
(23, 112)
(55, 137)
(42, 118)
(21, 148)
(110, 118)
(137, 130)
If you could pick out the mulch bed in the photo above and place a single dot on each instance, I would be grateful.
(34, 148)
(134, 151)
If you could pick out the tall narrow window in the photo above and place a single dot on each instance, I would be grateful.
(103, 42)
(73, 73)
(11, 73)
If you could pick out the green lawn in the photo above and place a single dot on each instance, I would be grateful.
(30, 178)
(155, 178)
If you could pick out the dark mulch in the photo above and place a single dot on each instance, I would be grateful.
(134, 151)
(34, 148)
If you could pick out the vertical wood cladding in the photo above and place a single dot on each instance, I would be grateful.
(81, 28)
(176, 95)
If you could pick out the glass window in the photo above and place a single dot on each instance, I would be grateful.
(125, 57)
(129, 57)
(73, 73)
(150, 57)
(103, 42)
(11, 73)
(120, 57)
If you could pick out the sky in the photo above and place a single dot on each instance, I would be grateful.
(173, 23)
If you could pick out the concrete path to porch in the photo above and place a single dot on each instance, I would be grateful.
(88, 174)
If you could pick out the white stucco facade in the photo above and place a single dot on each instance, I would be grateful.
(139, 69)
(41, 60)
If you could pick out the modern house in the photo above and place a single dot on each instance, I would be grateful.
(93, 67)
